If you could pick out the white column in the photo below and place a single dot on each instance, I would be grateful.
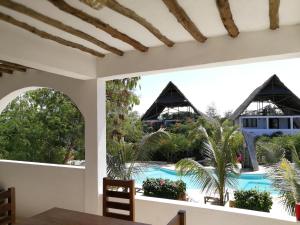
(95, 144)
(102, 136)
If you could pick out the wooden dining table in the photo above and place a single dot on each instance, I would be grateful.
(58, 216)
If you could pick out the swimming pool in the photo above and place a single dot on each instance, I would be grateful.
(245, 181)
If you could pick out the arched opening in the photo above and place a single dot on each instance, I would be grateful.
(41, 125)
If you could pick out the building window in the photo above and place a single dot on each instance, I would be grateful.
(250, 123)
(296, 123)
(273, 123)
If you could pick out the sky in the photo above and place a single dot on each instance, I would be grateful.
(226, 87)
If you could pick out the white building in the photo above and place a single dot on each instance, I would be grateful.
(277, 110)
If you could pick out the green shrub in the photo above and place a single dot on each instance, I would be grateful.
(253, 200)
(164, 188)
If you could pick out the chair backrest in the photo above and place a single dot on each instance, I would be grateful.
(122, 190)
(8, 207)
(179, 219)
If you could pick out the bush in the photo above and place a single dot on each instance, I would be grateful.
(164, 188)
(253, 200)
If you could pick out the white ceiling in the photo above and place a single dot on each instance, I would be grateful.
(249, 15)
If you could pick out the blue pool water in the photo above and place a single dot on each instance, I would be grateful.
(245, 181)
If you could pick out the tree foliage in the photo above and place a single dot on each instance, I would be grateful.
(219, 149)
(42, 125)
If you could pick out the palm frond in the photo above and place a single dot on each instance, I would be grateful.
(200, 175)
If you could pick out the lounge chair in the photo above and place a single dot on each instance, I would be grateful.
(215, 199)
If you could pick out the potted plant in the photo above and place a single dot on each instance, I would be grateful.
(164, 188)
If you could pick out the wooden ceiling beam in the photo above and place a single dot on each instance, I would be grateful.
(96, 4)
(64, 6)
(2, 70)
(56, 23)
(274, 14)
(183, 18)
(4, 66)
(226, 16)
(48, 36)
(117, 7)
(14, 66)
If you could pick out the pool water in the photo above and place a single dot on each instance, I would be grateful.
(245, 181)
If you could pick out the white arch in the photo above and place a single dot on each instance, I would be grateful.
(13, 85)
(88, 96)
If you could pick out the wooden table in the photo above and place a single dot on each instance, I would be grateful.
(57, 216)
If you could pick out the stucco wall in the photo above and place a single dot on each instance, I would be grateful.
(159, 211)
(42, 186)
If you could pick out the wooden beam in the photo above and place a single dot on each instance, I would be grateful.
(96, 4)
(56, 23)
(274, 14)
(184, 19)
(4, 66)
(6, 71)
(14, 66)
(48, 36)
(62, 5)
(226, 16)
(116, 6)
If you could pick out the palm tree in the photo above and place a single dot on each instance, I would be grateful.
(122, 161)
(285, 175)
(286, 180)
(220, 149)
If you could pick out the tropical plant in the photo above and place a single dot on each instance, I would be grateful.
(286, 180)
(164, 188)
(253, 200)
(218, 148)
(271, 150)
(281, 153)
(122, 160)
(121, 139)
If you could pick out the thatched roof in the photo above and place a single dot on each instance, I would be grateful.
(170, 97)
(275, 91)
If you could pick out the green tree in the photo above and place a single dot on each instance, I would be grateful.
(221, 141)
(120, 99)
(212, 111)
(42, 125)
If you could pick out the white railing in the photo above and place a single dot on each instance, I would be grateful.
(43, 186)
(159, 211)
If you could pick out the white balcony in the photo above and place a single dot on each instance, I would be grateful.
(43, 186)
(267, 125)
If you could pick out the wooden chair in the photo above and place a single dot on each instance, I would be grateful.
(118, 189)
(179, 219)
(8, 207)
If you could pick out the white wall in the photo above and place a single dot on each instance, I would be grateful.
(159, 211)
(43, 186)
